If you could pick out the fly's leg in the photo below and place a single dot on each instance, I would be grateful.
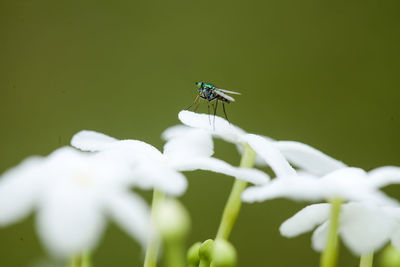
(215, 112)
(226, 117)
(197, 97)
(197, 106)
(209, 119)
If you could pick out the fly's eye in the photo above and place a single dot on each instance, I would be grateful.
(198, 85)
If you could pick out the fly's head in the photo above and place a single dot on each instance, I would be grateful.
(199, 87)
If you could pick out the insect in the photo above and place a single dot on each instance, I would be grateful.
(211, 93)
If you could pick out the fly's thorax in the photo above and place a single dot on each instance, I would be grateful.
(209, 94)
(208, 86)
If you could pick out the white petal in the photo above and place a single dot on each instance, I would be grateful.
(395, 239)
(214, 124)
(270, 154)
(131, 152)
(346, 183)
(91, 141)
(298, 188)
(216, 165)
(69, 221)
(175, 131)
(351, 184)
(131, 213)
(258, 193)
(148, 175)
(194, 143)
(260, 162)
(148, 166)
(65, 153)
(383, 176)
(320, 237)
(19, 190)
(365, 227)
(308, 158)
(305, 220)
(126, 150)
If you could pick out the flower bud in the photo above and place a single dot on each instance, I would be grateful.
(224, 254)
(390, 257)
(206, 250)
(193, 254)
(172, 220)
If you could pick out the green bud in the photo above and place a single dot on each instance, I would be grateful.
(206, 249)
(193, 254)
(172, 220)
(390, 257)
(224, 254)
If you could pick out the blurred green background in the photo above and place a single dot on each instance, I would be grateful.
(322, 72)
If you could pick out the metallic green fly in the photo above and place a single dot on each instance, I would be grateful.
(211, 93)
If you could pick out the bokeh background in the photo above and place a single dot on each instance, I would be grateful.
(321, 72)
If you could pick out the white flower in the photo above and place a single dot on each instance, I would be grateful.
(363, 226)
(275, 153)
(152, 168)
(73, 192)
(263, 146)
(353, 184)
(320, 178)
(366, 223)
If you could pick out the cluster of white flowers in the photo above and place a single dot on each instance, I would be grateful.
(368, 220)
(75, 188)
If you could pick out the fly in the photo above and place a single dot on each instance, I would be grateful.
(211, 93)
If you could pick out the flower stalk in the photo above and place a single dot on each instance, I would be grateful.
(232, 207)
(86, 260)
(154, 243)
(330, 254)
(75, 262)
(366, 260)
(175, 252)
(83, 260)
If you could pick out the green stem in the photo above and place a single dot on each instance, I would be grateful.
(153, 246)
(86, 260)
(330, 254)
(232, 206)
(83, 260)
(366, 260)
(204, 263)
(75, 262)
(175, 254)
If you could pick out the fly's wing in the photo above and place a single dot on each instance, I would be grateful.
(229, 92)
(220, 93)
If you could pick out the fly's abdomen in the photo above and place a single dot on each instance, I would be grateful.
(223, 99)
